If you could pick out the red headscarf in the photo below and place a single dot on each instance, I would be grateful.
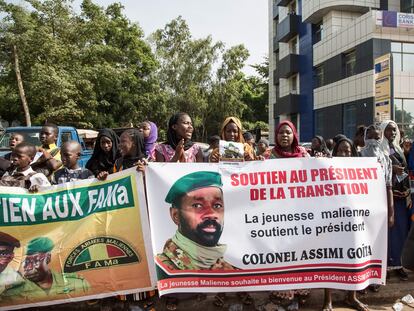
(297, 151)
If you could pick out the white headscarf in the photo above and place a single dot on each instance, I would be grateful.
(396, 143)
(375, 148)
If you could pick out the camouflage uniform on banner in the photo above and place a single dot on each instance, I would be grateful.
(41, 282)
(177, 259)
(63, 284)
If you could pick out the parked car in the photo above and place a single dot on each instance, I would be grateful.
(31, 134)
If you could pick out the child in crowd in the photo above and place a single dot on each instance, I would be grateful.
(50, 159)
(22, 175)
(15, 139)
(71, 171)
(263, 148)
(132, 150)
(150, 132)
(131, 146)
(5, 164)
(105, 152)
(249, 139)
(213, 143)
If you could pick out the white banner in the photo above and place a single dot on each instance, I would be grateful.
(272, 225)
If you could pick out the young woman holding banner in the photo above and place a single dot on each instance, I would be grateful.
(178, 148)
(344, 148)
(231, 130)
(287, 146)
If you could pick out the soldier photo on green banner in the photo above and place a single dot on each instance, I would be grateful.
(197, 208)
(40, 282)
(9, 278)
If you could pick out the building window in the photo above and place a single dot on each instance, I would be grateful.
(319, 76)
(317, 32)
(349, 120)
(402, 56)
(320, 116)
(407, 6)
(293, 46)
(294, 119)
(350, 61)
(404, 115)
(293, 85)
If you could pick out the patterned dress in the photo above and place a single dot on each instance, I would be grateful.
(168, 152)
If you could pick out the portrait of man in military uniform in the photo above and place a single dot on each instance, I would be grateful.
(40, 281)
(197, 208)
(9, 278)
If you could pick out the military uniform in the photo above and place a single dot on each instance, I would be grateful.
(66, 284)
(9, 279)
(181, 253)
(174, 258)
(62, 284)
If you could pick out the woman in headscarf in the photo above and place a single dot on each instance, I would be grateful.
(150, 132)
(179, 147)
(344, 148)
(287, 142)
(319, 148)
(232, 130)
(374, 147)
(132, 149)
(402, 198)
(105, 152)
(287, 146)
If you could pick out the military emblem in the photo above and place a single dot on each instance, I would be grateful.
(100, 252)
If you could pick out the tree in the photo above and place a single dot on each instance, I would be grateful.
(185, 68)
(91, 68)
(256, 94)
(188, 78)
(227, 91)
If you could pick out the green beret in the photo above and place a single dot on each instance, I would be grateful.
(192, 182)
(6, 239)
(39, 245)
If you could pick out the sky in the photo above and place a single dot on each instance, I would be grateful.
(230, 21)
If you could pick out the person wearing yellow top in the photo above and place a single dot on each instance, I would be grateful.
(50, 160)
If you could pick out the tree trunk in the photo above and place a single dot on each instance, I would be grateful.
(20, 86)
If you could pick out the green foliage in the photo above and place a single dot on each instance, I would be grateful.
(93, 68)
(86, 69)
(187, 77)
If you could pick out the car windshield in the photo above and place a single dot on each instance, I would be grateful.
(31, 136)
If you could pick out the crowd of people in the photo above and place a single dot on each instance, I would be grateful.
(33, 167)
